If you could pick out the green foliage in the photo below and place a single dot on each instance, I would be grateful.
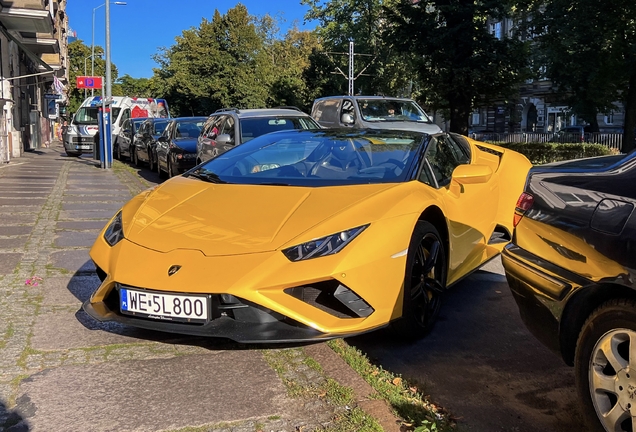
(588, 49)
(405, 399)
(460, 63)
(80, 65)
(541, 153)
(225, 62)
(378, 67)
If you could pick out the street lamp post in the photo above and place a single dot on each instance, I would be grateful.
(118, 3)
(86, 58)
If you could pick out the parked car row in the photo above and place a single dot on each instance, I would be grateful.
(409, 211)
(173, 146)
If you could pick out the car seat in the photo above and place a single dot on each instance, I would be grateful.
(342, 161)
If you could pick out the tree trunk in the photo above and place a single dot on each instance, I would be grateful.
(459, 113)
(630, 115)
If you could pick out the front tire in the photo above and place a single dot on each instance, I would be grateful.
(424, 281)
(603, 366)
(135, 157)
(170, 168)
(151, 162)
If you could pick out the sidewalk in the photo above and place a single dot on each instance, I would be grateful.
(62, 371)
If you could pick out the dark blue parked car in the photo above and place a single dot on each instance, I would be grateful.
(177, 146)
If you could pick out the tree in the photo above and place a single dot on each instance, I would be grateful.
(460, 63)
(588, 50)
(79, 57)
(222, 63)
(291, 58)
(384, 70)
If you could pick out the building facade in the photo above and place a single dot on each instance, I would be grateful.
(538, 108)
(33, 73)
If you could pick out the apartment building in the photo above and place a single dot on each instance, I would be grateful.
(538, 107)
(33, 71)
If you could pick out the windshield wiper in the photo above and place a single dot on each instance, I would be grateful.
(206, 176)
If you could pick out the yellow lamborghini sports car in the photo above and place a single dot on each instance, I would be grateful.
(308, 235)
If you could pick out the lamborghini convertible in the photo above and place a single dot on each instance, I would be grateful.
(309, 235)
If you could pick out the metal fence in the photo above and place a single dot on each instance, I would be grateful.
(611, 140)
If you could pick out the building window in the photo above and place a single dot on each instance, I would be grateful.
(475, 120)
(495, 30)
(609, 119)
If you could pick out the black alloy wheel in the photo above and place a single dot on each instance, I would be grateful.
(136, 157)
(605, 367)
(424, 282)
(118, 153)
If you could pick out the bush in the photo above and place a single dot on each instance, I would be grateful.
(541, 153)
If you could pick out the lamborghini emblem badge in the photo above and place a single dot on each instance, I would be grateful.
(173, 269)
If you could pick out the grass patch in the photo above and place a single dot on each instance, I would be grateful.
(408, 403)
(347, 417)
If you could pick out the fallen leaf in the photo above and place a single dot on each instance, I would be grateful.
(397, 381)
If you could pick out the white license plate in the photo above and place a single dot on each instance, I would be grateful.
(165, 307)
(83, 147)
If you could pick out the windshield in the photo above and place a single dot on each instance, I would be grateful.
(254, 127)
(318, 158)
(160, 126)
(378, 110)
(88, 115)
(189, 128)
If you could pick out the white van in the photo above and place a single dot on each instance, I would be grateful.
(84, 125)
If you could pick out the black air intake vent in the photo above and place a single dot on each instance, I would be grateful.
(334, 298)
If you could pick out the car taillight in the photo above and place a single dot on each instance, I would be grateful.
(523, 205)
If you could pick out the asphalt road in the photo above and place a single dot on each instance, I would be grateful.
(482, 364)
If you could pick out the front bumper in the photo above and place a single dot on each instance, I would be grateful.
(540, 289)
(184, 162)
(280, 301)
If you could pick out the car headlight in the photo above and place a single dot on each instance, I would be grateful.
(324, 246)
(115, 231)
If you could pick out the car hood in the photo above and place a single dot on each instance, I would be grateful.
(187, 144)
(230, 219)
(429, 128)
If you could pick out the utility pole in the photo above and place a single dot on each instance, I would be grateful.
(351, 77)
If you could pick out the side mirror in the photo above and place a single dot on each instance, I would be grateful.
(472, 174)
(347, 119)
(223, 139)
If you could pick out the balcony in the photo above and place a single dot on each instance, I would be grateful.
(28, 16)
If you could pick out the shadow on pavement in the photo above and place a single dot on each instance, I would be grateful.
(84, 282)
(11, 421)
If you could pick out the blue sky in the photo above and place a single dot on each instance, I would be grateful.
(140, 27)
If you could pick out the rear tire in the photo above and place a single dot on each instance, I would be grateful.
(605, 374)
(72, 154)
(424, 281)
(162, 175)
(133, 155)
(170, 169)
(151, 162)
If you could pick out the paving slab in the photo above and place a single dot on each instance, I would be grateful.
(92, 206)
(121, 198)
(73, 260)
(86, 214)
(76, 238)
(80, 225)
(15, 230)
(24, 200)
(68, 290)
(9, 261)
(63, 330)
(13, 242)
(17, 218)
(153, 394)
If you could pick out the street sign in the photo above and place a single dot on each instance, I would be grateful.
(89, 82)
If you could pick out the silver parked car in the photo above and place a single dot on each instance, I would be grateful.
(372, 112)
(229, 127)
